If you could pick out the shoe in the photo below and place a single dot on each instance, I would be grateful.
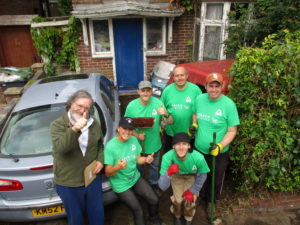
(188, 222)
(177, 221)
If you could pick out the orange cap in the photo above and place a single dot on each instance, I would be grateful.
(214, 77)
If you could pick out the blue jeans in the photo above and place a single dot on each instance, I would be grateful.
(153, 169)
(79, 201)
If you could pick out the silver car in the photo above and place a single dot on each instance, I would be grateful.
(26, 164)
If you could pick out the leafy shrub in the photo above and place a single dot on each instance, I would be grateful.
(56, 45)
(266, 89)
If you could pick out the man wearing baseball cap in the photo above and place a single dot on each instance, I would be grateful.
(215, 112)
(185, 170)
(148, 106)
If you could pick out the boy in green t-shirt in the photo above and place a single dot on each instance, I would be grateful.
(186, 172)
(121, 156)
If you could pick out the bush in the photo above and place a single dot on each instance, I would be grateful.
(266, 89)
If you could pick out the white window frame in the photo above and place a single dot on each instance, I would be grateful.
(111, 40)
(154, 53)
(206, 22)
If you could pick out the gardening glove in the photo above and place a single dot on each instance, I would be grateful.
(173, 169)
(192, 130)
(188, 196)
(215, 149)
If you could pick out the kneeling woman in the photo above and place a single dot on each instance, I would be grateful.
(121, 156)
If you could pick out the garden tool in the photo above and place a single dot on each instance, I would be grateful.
(213, 171)
(141, 123)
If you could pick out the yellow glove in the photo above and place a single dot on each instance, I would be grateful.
(192, 130)
(216, 149)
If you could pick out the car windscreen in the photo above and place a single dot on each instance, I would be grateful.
(27, 132)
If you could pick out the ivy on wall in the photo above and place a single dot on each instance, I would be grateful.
(57, 46)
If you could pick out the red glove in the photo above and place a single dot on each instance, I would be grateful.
(173, 169)
(188, 196)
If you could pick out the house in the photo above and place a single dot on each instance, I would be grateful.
(125, 39)
(16, 45)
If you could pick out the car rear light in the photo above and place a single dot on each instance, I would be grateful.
(42, 167)
(10, 185)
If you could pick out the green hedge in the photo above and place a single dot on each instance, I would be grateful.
(266, 89)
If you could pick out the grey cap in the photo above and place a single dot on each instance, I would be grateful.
(145, 84)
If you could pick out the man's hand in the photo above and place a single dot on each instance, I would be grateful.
(80, 123)
(188, 196)
(141, 136)
(193, 130)
(173, 169)
(215, 149)
(162, 111)
(98, 168)
(149, 158)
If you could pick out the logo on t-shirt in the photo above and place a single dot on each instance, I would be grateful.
(154, 112)
(194, 168)
(133, 147)
(214, 120)
(218, 112)
(188, 99)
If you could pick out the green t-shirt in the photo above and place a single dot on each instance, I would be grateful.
(179, 104)
(214, 116)
(115, 150)
(152, 142)
(193, 163)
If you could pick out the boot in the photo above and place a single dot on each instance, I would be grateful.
(177, 221)
(154, 218)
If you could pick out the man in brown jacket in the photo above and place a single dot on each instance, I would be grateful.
(77, 142)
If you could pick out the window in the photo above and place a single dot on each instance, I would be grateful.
(155, 36)
(210, 31)
(212, 42)
(101, 40)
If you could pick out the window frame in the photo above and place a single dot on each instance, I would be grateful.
(111, 40)
(159, 52)
(203, 22)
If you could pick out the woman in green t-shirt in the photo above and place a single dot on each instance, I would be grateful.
(121, 156)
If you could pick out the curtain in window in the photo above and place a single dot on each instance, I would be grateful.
(214, 11)
(212, 42)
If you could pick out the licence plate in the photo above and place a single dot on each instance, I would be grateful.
(48, 211)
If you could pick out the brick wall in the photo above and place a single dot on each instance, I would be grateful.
(94, 65)
(274, 200)
(177, 51)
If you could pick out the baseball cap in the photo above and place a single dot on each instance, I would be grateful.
(214, 77)
(145, 84)
(180, 137)
(126, 123)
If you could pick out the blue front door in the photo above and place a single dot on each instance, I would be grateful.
(128, 41)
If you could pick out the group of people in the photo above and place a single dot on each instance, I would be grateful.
(183, 162)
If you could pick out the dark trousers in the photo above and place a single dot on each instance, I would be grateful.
(130, 198)
(221, 165)
(79, 201)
